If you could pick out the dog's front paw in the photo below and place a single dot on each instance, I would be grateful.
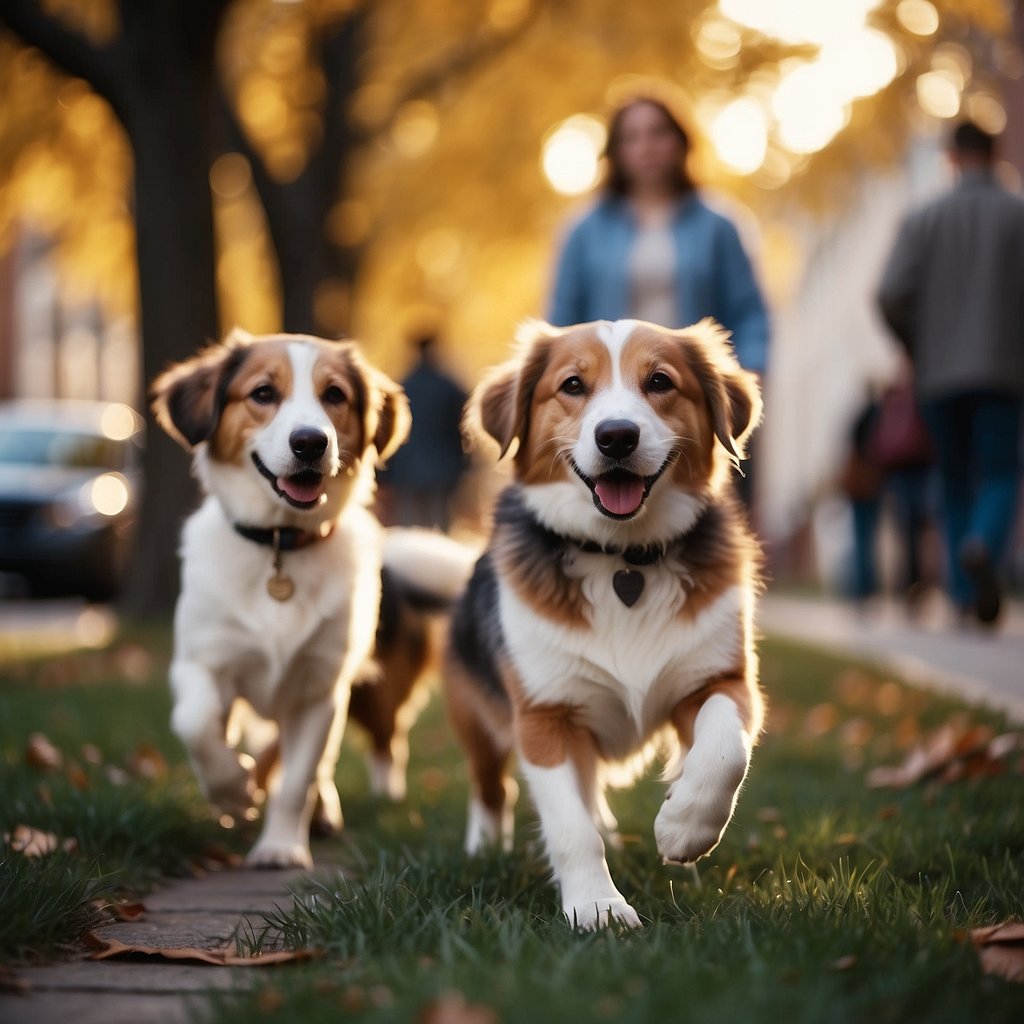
(267, 854)
(607, 912)
(233, 792)
(687, 828)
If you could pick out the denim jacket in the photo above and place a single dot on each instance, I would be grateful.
(713, 274)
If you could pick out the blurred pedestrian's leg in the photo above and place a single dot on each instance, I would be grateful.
(949, 423)
(865, 528)
(909, 489)
(996, 434)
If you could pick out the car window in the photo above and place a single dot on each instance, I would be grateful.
(42, 447)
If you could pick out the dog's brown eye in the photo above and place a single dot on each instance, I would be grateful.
(659, 382)
(265, 394)
(334, 395)
(572, 386)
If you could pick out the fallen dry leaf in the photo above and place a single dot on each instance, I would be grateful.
(11, 982)
(956, 750)
(452, 1008)
(148, 763)
(42, 754)
(91, 754)
(34, 842)
(844, 963)
(128, 911)
(104, 949)
(1001, 949)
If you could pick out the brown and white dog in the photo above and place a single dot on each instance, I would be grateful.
(282, 573)
(612, 609)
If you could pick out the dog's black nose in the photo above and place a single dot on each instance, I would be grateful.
(617, 438)
(308, 443)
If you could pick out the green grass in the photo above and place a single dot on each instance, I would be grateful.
(102, 711)
(826, 901)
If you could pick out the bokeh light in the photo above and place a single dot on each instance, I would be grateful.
(571, 154)
(810, 108)
(862, 63)
(108, 494)
(938, 94)
(800, 21)
(739, 133)
(986, 111)
(718, 42)
(118, 422)
(918, 16)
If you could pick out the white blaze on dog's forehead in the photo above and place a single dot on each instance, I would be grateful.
(304, 357)
(614, 334)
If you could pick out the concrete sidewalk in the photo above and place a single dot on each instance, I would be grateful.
(983, 666)
(201, 913)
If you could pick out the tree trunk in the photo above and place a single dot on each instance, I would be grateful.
(168, 121)
(297, 211)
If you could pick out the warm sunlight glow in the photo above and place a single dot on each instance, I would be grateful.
(571, 156)
(108, 494)
(986, 111)
(739, 134)
(718, 42)
(938, 94)
(918, 16)
(800, 21)
(809, 107)
(117, 422)
(862, 63)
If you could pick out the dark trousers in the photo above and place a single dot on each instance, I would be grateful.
(907, 491)
(977, 442)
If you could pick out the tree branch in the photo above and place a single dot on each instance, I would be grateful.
(460, 60)
(105, 67)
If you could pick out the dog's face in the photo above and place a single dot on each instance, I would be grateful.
(282, 424)
(626, 422)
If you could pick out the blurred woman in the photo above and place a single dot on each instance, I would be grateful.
(651, 249)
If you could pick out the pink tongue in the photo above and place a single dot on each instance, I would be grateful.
(300, 490)
(621, 495)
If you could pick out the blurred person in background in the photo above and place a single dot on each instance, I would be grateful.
(889, 465)
(420, 480)
(952, 292)
(651, 249)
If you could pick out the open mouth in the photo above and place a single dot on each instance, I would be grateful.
(301, 490)
(619, 494)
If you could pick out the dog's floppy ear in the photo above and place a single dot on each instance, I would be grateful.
(382, 404)
(500, 406)
(733, 394)
(187, 399)
(394, 418)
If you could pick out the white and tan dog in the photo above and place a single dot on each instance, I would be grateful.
(281, 564)
(612, 610)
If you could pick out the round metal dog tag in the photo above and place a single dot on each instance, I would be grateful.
(280, 586)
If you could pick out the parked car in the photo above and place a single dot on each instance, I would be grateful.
(70, 473)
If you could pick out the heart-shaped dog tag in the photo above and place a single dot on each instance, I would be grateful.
(629, 585)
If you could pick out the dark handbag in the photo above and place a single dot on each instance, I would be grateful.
(900, 438)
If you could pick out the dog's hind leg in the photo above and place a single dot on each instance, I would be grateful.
(328, 818)
(373, 708)
(487, 745)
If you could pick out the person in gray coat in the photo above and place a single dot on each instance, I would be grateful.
(953, 293)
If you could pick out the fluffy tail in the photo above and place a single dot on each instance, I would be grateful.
(431, 568)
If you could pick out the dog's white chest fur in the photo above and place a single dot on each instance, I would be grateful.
(226, 619)
(631, 665)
